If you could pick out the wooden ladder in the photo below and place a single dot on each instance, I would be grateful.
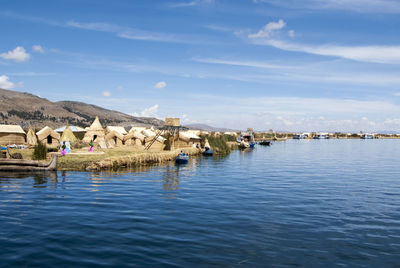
(159, 133)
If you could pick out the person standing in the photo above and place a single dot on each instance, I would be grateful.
(91, 146)
(63, 147)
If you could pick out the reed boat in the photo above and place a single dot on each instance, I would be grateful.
(246, 140)
(28, 165)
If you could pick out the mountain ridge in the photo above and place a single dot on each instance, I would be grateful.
(26, 109)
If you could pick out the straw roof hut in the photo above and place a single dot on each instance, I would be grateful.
(158, 144)
(48, 137)
(114, 139)
(78, 132)
(134, 138)
(31, 138)
(12, 134)
(149, 134)
(120, 130)
(187, 139)
(68, 135)
(96, 134)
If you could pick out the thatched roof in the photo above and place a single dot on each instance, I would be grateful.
(120, 130)
(68, 135)
(148, 133)
(129, 136)
(133, 129)
(187, 136)
(31, 138)
(113, 134)
(138, 135)
(96, 125)
(46, 131)
(11, 129)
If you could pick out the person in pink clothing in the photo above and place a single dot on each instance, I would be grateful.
(91, 146)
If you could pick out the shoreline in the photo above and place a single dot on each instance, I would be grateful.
(109, 159)
(134, 160)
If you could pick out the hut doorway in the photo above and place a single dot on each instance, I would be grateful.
(49, 139)
(115, 140)
(94, 137)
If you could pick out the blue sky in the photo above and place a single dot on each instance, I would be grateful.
(310, 65)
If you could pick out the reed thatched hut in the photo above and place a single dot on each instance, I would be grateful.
(134, 138)
(96, 134)
(187, 139)
(68, 135)
(78, 132)
(150, 135)
(31, 138)
(158, 144)
(120, 130)
(48, 137)
(12, 134)
(114, 139)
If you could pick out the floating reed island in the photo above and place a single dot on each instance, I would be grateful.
(113, 147)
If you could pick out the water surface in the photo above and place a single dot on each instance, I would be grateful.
(297, 203)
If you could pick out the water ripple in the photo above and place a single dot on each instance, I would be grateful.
(298, 203)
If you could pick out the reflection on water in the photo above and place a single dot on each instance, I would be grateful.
(171, 178)
(40, 179)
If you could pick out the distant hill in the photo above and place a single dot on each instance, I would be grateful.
(210, 128)
(27, 109)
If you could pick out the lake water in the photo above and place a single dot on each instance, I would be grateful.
(302, 203)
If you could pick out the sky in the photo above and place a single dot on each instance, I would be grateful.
(293, 65)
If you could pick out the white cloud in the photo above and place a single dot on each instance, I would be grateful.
(160, 84)
(18, 54)
(106, 93)
(38, 48)
(130, 33)
(190, 3)
(262, 65)
(268, 29)
(376, 54)
(362, 6)
(291, 33)
(5, 83)
(148, 112)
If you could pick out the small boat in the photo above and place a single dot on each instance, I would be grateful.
(246, 140)
(301, 136)
(28, 165)
(208, 152)
(265, 143)
(367, 136)
(182, 158)
(321, 136)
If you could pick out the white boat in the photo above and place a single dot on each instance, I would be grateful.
(367, 136)
(321, 136)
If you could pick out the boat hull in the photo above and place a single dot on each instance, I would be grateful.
(28, 165)
(265, 143)
(208, 153)
(182, 159)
